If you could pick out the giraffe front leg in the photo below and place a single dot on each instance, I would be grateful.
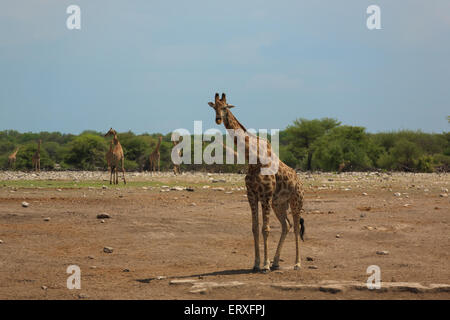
(123, 171)
(253, 201)
(265, 231)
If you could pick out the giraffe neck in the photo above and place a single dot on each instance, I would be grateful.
(158, 145)
(230, 122)
(116, 140)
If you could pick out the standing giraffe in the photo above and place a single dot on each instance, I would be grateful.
(36, 159)
(155, 157)
(279, 191)
(176, 167)
(12, 159)
(116, 158)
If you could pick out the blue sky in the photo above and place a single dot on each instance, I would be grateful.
(152, 66)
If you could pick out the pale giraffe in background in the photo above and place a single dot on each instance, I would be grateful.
(12, 159)
(155, 156)
(36, 159)
(176, 167)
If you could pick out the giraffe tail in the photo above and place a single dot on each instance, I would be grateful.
(302, 228)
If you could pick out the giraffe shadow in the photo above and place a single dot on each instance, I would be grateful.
(231, 272)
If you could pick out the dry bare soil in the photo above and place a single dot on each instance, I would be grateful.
(170, 243)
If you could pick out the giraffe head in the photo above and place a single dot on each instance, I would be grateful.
(111, 132)
(221, 107)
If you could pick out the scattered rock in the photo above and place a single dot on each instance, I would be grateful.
(126, 270)
(44, 288)
(313, 267)
(397, 194)
(218, 189)
(103, 216)
(383, 253)
(83, 296)
(161, 277)
(25, 204)
(108, 250)
(190, 189)
(47, 219)
(91, 257)
(309, 259)
(338, 236)
(364, 193)
(104, 187)
(183, 281)
(443, 195)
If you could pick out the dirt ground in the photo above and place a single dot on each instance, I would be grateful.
(180, 244)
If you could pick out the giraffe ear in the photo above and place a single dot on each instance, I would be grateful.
(229, 106)
(211, 104)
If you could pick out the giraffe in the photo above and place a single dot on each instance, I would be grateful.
(36, 159)
(116, 157)
(12, 158)
(176, 167)
(155, 156)
(344, 164)
(278, 191)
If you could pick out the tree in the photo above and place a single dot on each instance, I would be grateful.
(303, 133)
(346, 144)
(87, 152)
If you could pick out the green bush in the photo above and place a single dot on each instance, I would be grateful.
(87, 152)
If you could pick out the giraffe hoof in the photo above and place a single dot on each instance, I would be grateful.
(297, 267)
(256, 269)
(275, 267)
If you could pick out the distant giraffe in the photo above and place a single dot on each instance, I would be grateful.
(155, 156)
(344, 164)
(36, 159)
(117, 158)
(278, 190)
(12, 159)
(176, 167)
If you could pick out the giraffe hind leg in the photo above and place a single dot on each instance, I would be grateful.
(280, 210)
(296, 204)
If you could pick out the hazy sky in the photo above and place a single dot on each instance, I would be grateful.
(152, 66)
